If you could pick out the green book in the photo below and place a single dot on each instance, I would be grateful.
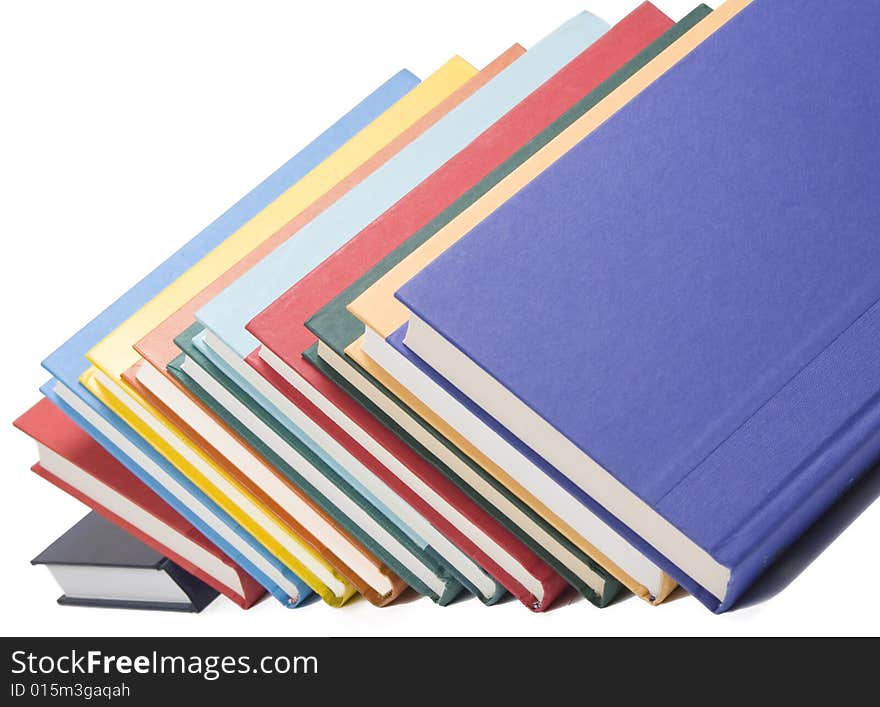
(452, 581)
(336, 328)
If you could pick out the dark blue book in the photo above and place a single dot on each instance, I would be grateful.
(680, 316)
(98, 564)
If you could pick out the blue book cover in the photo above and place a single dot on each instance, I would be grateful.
(704, 272)
(68, 363)
(520, 457)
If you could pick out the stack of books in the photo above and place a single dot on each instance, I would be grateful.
(600, 315)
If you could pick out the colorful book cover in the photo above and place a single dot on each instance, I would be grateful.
(755, 404)
(161, 388)
(78, 465)
(277, 326)
(340, 333)
(610, 546)
(68, 362)
(302, 544)
(228, 313)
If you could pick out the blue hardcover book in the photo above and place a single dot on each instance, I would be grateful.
(568, 502)
(68, 363)
(703, 273)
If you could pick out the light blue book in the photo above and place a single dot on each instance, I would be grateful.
(227, 314)
(68, 363)
(225, 342)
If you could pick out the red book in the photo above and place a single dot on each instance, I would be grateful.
(280, 327)
(75, 463)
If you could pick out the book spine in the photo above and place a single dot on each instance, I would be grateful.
(182, 607)
(199, 593)
(814, 487)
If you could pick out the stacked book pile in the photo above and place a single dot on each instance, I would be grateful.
(602, 315)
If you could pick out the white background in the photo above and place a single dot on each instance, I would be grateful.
(125, 129)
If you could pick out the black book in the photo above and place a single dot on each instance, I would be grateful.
(97, 563)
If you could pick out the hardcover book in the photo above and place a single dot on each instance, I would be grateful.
(512, 464)
(68, 362)
(227, 314)
(77, 464)
(370, 298)
(720, 388)
(226, 342)
(306, 540)
(97, 564)
(161, 387)
(278, 329)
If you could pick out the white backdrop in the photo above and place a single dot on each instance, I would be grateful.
(124, 131)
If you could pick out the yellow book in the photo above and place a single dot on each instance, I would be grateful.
(115, 354)
(382, 313)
